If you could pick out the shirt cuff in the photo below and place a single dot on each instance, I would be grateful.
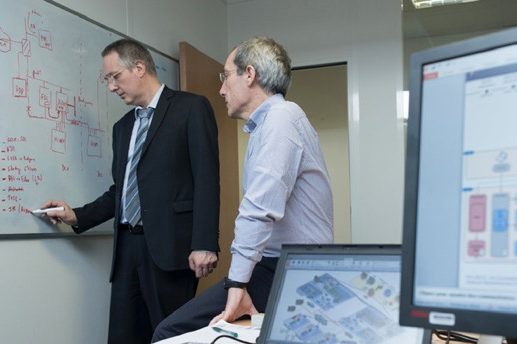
(241, 268)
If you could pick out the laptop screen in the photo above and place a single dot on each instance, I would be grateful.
(336, 294)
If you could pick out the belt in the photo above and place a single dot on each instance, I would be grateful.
(138, 229)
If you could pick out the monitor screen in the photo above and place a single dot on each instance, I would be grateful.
(336, 294)
(460, 211)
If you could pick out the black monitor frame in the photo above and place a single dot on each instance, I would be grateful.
(485, 322)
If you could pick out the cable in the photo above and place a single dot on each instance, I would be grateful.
(230, 337)
(454, 336)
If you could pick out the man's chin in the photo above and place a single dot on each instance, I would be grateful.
(235, 115)
(232, 114)
(126, 100)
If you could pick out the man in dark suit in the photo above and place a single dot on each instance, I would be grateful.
(165, 195)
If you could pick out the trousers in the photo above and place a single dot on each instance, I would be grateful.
(142, 294)
(198, 312)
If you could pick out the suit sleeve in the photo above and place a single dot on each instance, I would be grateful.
(204, 156)
(96, 212)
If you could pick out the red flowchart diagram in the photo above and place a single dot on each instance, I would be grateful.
(45, 99)
(490, 205)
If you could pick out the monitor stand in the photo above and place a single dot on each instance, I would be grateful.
(427, 336)
(487, 339)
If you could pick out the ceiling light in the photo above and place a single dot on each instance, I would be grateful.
(432, 3)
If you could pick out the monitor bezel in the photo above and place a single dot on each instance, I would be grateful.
(484, 322)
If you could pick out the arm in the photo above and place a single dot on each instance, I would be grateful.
(204, 157)
(202, 262)
(67, 215)
(96, 212)
(238, 304)
(91, 214)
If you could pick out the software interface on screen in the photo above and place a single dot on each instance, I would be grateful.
(332, 299)
(467, 203)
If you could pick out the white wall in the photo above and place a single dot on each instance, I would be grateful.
(322, 94)
(54, 290)
(367, 35)
(57, 290)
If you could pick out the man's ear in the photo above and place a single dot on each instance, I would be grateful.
(251, 75)
(140, 68)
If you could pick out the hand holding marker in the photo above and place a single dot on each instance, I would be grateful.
(45, 210)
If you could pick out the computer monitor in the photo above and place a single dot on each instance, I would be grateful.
(337, 294)
(459, 265)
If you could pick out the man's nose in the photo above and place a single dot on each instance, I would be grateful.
(112, 87)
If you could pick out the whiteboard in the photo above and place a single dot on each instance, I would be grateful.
(56, 112)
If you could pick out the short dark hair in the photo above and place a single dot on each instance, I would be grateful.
(270, 60)
(131, 51)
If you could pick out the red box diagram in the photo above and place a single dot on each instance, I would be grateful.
(44, 97)
(476, 248)
(45, 39)
(477, 213)
(20, 88)
(5, 42)
(58, 141)
(94, 146)
(61, 102)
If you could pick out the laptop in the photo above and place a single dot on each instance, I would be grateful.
(347, 294)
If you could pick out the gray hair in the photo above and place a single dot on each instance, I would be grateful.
(270, 60)
(130, 52)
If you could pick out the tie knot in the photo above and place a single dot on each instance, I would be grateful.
(144, 113)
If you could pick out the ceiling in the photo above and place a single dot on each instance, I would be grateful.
(480, 16)
(234, 1)
(474, 17)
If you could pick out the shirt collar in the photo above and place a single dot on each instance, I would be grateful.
(154, 101)
(257, 117)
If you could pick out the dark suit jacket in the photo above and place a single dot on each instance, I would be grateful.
(178, 180)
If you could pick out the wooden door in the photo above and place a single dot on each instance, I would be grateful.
(321, 91)
(200, 74)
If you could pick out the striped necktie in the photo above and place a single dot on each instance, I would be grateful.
(132, 209)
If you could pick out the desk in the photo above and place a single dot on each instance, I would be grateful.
(208, 334)
(246, 322)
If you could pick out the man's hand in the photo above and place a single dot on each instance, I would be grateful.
(67, 215)
(238, 304)
(202, 262)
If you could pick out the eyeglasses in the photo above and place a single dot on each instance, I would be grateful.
(112, 77)
(224, 75)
